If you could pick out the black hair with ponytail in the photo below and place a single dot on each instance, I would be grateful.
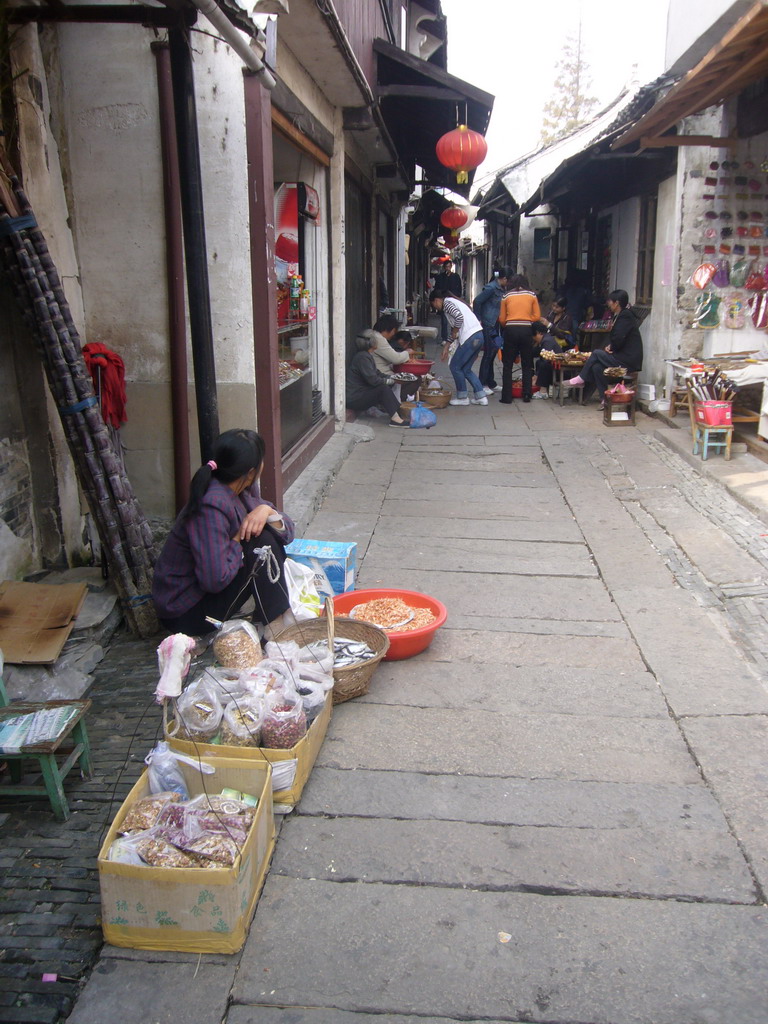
(235, 453)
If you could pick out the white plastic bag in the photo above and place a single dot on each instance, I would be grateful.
(302, 592)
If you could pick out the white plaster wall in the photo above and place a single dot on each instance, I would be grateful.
(338, 278)
(688, 20)
(539, 274)
(659, 330)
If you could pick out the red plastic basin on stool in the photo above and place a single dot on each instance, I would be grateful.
(417, 366)
(402, 644)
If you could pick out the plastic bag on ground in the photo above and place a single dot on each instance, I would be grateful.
(302, 592)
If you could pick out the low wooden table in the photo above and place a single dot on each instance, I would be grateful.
(45, 752)
(573, 371)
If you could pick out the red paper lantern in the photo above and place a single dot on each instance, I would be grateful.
(454, 217)
(461, 150)
(450, 238)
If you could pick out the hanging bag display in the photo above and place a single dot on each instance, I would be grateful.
(740, 272)
(733, 311)
(758, 308)
(707, 311)
(702, 275)
(722, 275)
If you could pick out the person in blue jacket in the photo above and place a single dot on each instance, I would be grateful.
(486, 308)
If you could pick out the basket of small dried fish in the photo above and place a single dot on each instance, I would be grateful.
(358, 648)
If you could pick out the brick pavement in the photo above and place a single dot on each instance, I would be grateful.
(50, 913)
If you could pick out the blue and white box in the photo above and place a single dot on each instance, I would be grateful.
(333, 563)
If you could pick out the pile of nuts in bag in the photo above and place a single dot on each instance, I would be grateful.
(270, 703)
(164, 831)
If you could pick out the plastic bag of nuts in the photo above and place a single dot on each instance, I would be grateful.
(237, 645)
(198, 711)
(285, 723)
(241, 724)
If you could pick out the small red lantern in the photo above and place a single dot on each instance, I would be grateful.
(454, 217)
(450, 238)
(461, 150)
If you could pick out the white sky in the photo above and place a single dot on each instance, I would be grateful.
(510, 47)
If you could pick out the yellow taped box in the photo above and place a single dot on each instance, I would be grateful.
(191, 910)
(305, 752)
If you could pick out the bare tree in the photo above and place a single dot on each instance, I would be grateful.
(570, 105)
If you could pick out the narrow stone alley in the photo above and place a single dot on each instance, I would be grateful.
(554, 814)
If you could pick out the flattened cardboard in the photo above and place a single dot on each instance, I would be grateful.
(36, 619)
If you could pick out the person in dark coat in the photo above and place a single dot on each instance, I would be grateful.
(366, 386)
(624, 349)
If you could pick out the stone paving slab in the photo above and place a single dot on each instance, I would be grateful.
(489, 743)
(485, 461)
(369, 793)
(539, 627)
(653, 862)
(536, 503)
(700, 669)
(536, 498)
(393, 528)
(315, 1015)
(140, 993)
(354, 498)
(533, 558)
(550, 597)
(417, 441)
(567, 959)
(478, 647)
(561, 689)
(357, 528)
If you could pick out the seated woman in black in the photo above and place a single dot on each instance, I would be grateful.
(624, 349)
(366, 386)
(560, 323)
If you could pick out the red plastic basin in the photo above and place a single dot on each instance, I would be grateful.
(417, 366)
(403, 644)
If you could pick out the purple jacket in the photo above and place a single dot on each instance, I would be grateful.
(200, 557)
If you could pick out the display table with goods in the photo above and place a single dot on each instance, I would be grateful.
(738, 370)
(594, 334)
(566, 365)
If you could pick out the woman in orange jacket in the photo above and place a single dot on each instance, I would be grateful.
(519, 311)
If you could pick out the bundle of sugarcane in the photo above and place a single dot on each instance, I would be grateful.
(122, 526)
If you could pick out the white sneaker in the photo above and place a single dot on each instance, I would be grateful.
(460, 401)
(489, 391)
(496, 387)
(540, 394)
(479, 401)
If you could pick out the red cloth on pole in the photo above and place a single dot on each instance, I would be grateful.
(112, 384)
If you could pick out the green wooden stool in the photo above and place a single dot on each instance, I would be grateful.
(45, 749)
(717, 438)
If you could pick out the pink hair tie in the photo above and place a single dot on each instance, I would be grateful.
(213, 465)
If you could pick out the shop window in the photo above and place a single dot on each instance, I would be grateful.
(542, 245)
(646, 249)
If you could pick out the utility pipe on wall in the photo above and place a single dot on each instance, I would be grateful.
(228, 32)
(174, 263)
(195, 248)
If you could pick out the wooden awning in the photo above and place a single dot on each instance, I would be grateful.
(737, 61)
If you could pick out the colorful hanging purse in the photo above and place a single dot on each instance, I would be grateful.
(707, 311)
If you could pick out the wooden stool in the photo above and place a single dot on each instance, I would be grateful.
(707, 437)
(45, 749)
(612, 406)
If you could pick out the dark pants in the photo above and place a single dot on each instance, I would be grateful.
(545, 372)
(252, 580)
(518, 341)
(382, 396)
(592, 371)
(485, 373)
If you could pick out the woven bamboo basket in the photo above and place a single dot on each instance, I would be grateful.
(435, 399)
(350, 680)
